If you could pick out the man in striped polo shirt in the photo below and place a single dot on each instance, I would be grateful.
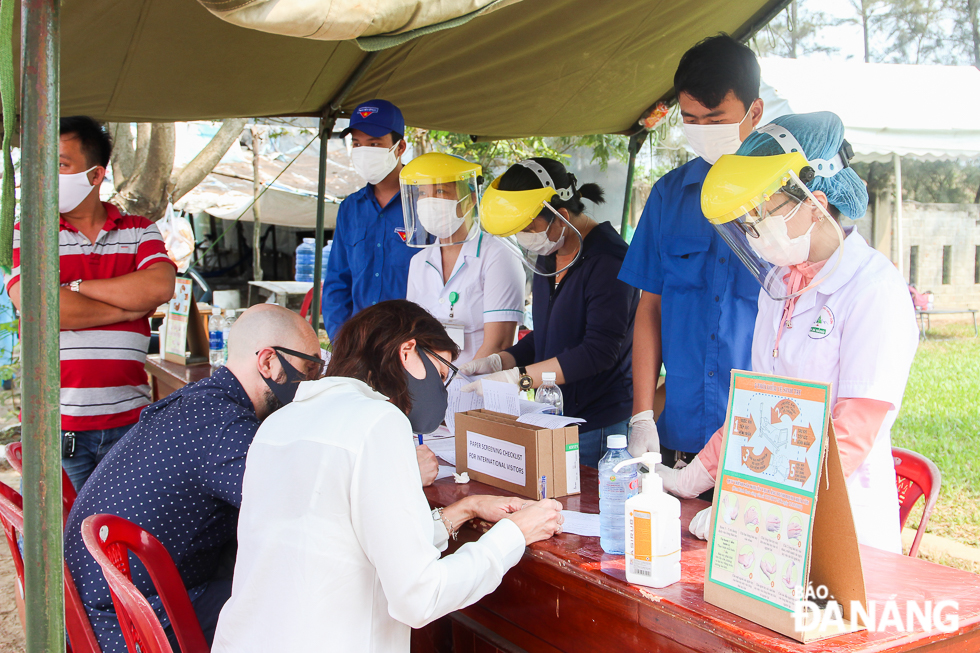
(114, 272)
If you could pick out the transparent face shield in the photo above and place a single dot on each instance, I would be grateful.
(441, 213)
(538, 244)
(779, 233)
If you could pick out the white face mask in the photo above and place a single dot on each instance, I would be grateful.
(374, 163)
(774, 243)
(710, 142)
(539, 243)
(72, 189)
(438, 216)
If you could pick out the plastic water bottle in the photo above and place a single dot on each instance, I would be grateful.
(614, 489)
(305, 254)
(549, 393)
(226, 332)
(216, 339)
(324, 257)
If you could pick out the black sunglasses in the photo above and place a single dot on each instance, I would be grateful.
(298, 354)
(453, 370)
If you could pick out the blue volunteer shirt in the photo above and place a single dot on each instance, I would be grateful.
(586, 322)
(708, 305)
(369, 259)
(178, 474)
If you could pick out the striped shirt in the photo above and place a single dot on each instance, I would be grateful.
(103, 380)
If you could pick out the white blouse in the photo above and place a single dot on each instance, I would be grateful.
(337, 547)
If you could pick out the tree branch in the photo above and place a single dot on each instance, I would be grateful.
(123, 159)
(145, 193)
(202, 164)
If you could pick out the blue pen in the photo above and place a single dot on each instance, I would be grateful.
(420, 438)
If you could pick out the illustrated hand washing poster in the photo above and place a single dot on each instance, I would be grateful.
(777, 450)
(766, 502)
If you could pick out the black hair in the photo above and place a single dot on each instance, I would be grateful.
(715, 66)
(95, 138)
(395, 137)
(518, 177)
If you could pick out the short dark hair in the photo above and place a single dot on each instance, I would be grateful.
(519, 177)
(367, 346)
(95, 138)
(715, 66)
(395, 137)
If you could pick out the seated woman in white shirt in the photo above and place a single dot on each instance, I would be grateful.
(337, 547)
(463, 276)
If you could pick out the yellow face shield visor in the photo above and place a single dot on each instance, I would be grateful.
(738, 185)
(506, 212)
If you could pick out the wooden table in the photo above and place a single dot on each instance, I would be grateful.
(167, 377)
(567, 595)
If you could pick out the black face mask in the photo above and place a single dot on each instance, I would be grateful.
(430, 399)
(285, 391)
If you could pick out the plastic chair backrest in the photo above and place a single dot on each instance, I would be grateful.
(307, 303)
(110, 539)
(15, 456)
(916, 476)
(77, 625)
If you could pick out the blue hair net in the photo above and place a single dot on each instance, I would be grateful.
(821, 135)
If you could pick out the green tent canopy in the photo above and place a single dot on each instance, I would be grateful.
(528, 68)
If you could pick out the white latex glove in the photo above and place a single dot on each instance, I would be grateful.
(512, 375)
(481, 366)
(643, 434)
(700, 524)
(688, 482)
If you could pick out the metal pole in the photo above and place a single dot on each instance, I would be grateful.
(327, 121)
(636, 142)
(326, 126)
(256, 215)
(40, 326)
(897, 160)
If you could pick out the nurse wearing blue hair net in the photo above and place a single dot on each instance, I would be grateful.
(831, 309)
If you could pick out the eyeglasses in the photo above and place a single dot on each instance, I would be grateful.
(317, 371)
(748, 228)
(453, 370)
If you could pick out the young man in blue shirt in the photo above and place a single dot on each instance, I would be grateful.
(369, 259)
(697, 311)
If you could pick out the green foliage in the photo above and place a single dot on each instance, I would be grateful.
(496, 156)
(951, 182)
(795, 32)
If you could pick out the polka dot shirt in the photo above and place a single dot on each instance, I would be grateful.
(178, 474)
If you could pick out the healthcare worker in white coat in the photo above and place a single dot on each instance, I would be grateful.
(462, 276)
(832, 308)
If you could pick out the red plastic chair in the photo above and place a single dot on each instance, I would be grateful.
(307, 303)
(916, 476)
(15, 456)
(76, 620)
(110, 539)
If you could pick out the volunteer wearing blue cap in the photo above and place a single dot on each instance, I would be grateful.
(369, 259)
(832, 309)
(698, 304)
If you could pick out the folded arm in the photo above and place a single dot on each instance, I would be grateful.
(142, 290)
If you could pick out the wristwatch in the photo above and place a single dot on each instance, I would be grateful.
(73, 286)
(524, 382)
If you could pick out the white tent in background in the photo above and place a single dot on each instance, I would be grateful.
(889, 111)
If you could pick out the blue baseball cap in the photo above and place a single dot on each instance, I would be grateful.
(376, 118)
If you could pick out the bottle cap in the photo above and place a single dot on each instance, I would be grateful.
(548, 376)
(309, 240)
(616, 442)
(215, 310)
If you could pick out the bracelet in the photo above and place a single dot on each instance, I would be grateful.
(445, 522)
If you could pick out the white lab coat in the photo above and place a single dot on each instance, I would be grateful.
(337, 547)
(489, 280)
(863, 346)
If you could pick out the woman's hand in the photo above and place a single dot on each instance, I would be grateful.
(493, 509)
(481, 366)
(538, 520)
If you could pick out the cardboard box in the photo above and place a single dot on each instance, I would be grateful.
(527, 460)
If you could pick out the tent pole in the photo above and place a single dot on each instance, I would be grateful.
(327, 120)
(40, 325)
(321, 192)
(900, 258)
(636, 142)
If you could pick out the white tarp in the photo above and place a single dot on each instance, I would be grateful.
(924, 112)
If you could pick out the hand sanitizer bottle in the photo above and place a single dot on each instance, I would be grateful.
(653, 530)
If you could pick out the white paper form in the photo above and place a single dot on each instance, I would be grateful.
(445, 472)
(548, 421)
(444, 448)
(580, 523)
(501, 397)
(460, 402)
